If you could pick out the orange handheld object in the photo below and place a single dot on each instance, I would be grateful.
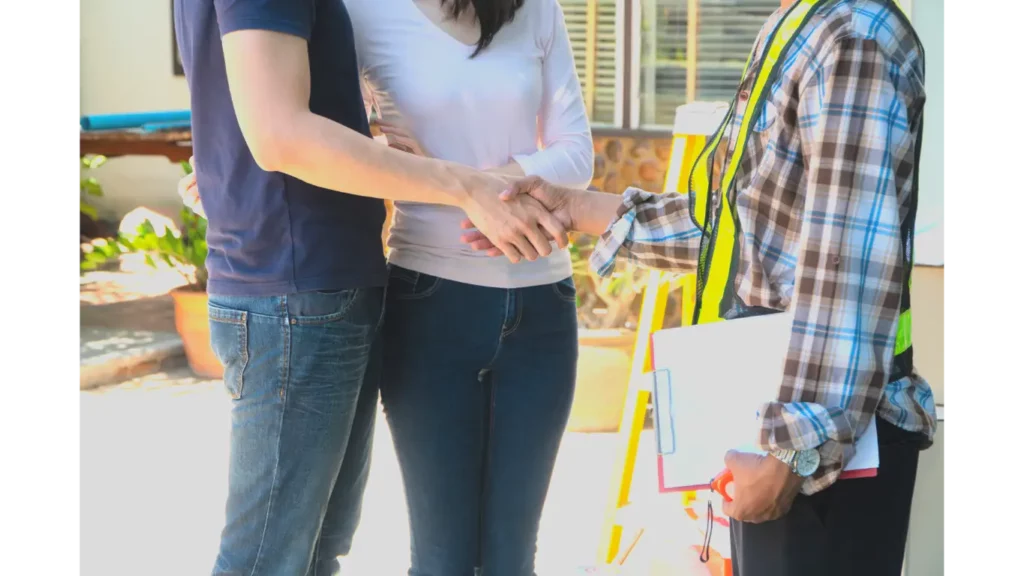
(722, 484)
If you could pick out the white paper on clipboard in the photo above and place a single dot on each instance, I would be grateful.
(709, 381)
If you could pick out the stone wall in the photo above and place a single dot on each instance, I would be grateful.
(623, 161)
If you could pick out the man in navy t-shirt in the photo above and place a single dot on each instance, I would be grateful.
(292, 186)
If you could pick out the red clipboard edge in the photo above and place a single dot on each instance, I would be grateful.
(854, 474)
(661, 481)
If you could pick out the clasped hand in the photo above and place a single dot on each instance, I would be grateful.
(549, 203)
(516, 225)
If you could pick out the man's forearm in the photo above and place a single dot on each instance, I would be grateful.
(327, 154)
(511, 172)
(268, 74)
(592, 212)
(269, 79)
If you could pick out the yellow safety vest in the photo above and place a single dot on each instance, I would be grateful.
(719, 257)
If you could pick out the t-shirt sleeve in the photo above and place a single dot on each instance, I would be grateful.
(294, 17)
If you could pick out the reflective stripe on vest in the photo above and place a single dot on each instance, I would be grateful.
(716, 270)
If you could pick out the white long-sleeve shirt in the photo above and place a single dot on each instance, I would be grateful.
(519, 99)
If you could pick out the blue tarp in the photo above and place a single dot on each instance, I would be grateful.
(161, 126)
(169, 118)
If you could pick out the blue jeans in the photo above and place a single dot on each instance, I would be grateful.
(477, 385)
(303, 375)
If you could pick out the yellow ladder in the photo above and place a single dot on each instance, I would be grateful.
(694, 124)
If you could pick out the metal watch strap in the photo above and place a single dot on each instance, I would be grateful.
(787, 457)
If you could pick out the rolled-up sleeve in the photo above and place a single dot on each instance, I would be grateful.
(653, 230)
(851, 261)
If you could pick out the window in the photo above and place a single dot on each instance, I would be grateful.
(592, 33)
(694, 50)
(640, 59)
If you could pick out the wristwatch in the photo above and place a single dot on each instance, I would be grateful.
(803, 463)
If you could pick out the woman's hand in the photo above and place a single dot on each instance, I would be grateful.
(535, 193)
(189, 190)
(399, 138)
(520, 228)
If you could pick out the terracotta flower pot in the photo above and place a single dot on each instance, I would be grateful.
(192, 320)
(602, 378)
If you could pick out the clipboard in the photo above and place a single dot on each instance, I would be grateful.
(708, 382)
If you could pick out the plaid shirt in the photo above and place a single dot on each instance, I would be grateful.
(821, 192)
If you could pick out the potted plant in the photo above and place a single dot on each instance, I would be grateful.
(185, 251)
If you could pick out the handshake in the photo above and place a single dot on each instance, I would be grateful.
(518, 217)
(522, 221)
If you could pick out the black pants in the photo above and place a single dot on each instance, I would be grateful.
(854, 527)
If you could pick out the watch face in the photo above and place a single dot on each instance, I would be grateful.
(807, 462)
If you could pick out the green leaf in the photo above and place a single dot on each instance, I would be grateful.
(126, 243)
(163, 244)
(149, 261)
(96, 161)
(96, 257)
(199, 256)
(186, 167)
(92, 187)
(88, 210)
(107, 249)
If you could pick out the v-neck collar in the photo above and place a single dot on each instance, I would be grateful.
(437, 28)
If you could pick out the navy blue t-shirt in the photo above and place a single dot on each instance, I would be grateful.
(271, 234)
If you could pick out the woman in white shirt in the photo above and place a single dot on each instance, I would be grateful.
(480, 353)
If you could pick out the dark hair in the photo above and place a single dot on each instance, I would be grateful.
(491, 14)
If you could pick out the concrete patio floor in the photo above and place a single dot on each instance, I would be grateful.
(154, 453)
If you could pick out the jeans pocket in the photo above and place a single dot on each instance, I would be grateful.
(320, 307)
(229, 338)
(409, 285)
(565, 290)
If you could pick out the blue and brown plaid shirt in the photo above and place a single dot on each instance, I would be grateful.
(822, 190)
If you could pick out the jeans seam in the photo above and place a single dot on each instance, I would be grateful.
(501, 340)
(383, 310)
(272, 498)
(243, 341)
(316, 552)
(486, 480)
(286, 333)
(240, 320)
(519, 314)
(286, 337)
